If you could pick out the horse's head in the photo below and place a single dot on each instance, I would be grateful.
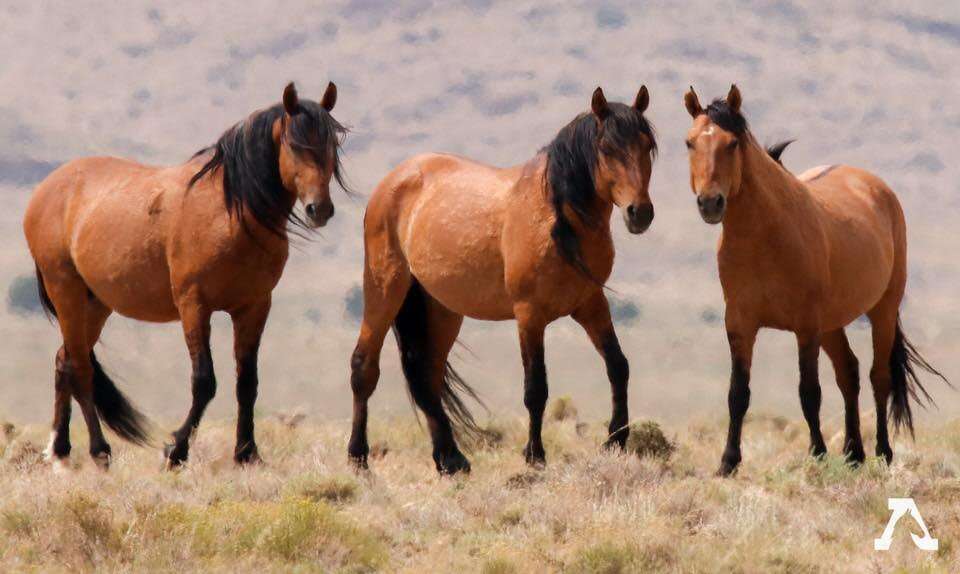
(715, 142)
(625, 147)
(308, 138)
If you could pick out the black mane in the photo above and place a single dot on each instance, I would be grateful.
(571, 162)
(732, 121)
(722, 115)
(249, 161)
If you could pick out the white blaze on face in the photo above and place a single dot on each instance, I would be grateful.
(707, 132)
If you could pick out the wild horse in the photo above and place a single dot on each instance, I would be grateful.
(177, 243)
(807, 254)
(446, 237)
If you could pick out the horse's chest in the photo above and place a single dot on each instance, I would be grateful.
(771, 289)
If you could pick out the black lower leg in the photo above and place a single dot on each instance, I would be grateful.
(852, 443)
(810, 396)
(535, 399)
(204, 386)
(738, 400)
(247, 381)
(360, 375)
(618, 372)
(60, 445)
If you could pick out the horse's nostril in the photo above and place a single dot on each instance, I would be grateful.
(311, 210)
(720, 202)
(700, 200)
(631, 211)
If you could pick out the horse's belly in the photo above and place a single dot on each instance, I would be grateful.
(124, 264)
(469, 283)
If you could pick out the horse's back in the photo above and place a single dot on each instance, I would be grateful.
(864, 225)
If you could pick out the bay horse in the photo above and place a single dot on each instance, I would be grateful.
(807, 254)
(447, 237)
(177, 243)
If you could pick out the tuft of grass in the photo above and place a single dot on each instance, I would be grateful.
(646, 439)
(335, 489)
(498, 565)
(294, 531)
(605, 558)
(16, 522)
(562, 409)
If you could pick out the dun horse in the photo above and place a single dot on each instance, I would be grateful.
(807, 254)
(447, 237)
(177, 243)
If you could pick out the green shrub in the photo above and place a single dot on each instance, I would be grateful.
(647, 440)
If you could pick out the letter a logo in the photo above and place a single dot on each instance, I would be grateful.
(899, 507)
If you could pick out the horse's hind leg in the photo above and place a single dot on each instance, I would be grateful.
(808, 346)
(847, 370)
(594, 317)
(383, 295)
(443, 326)
(81, 319)
(248, 324)
(195, 317)
(883, 320)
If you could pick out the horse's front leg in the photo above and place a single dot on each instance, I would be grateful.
(248, 324)
(594, 317)
(808, 347)
(196, 328)
(531, 328)
(741, 338)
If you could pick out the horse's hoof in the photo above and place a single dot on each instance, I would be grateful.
(453, 464)
(173, 456)
(855, 455)
(60, 464)
(886, 452)
(359, 462)
(247, 456)
(101, 460)
(615, 444)
(535, 457)
(728, 467)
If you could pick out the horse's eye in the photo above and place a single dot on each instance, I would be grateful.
(733, 145)
(689, 144)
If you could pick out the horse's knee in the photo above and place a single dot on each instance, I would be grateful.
(364, 374)
(204, 385)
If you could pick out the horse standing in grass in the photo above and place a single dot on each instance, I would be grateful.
(446, 237)
(177, 243)
(807, 254)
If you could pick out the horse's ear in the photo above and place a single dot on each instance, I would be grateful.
(643, 100)
(329, 97)
(599, 104)
(692, 102)
(734, 99)
(291, 103)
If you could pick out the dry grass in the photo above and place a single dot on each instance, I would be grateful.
(589, 511)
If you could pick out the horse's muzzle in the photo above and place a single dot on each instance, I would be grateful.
(638, 217)
(318, 214)
(712, 208)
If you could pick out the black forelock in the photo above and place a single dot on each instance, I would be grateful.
(721, 114)
(571, 164)
(249, 161)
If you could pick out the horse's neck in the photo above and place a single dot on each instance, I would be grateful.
(768, 200)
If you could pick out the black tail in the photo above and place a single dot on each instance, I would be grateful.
(413, 339)
(906, 386)
(45, 301)
(776, 150)
(115, 410)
